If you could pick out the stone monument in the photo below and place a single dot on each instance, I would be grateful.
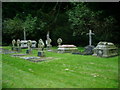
(33, 44)
(13, 44)
(90, 47)
(48, 43)
(18, 45)
(29, 44)
(24, 44)
(41, 46)
(67, 49)
(59, 41)
(105, 49)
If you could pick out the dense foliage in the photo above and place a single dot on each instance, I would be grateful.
(70, 21)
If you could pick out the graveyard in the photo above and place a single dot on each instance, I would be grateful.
(67, 48)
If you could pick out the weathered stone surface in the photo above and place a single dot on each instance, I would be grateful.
(30, 58)
(48, 43)
(88, 50)
(24, 44)
(105, 49)
(41, 54)
(67, 49)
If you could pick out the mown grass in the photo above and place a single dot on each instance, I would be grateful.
(64, 71)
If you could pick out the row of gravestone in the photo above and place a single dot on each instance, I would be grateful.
(31, 44)
(103, 49)
(23, 43)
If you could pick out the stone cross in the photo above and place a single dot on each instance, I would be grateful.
(18, 43)
(41, 44)
(29, 44)
(59, 41)
(90, 37)
(13, 42)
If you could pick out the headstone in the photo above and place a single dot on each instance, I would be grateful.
(29, 51)
(48, 43)
(18, 45)
(33, 44)
(89, 49)
(41, 48)
(67, 49)
(13, 44)
(59, 41)
(105, 49)
(24, 44)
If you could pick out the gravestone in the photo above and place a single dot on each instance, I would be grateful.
(13, 44)
(48, 43)
(67, 49)
(105, 49)
(18, 45)
(24, 44)
(59, 41)
(33, 44)
(41, 48)
(89, 49)
(29, 44)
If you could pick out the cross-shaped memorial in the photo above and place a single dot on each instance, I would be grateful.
(90, 37)
(89, 49)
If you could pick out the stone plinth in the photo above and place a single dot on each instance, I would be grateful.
(28, 51)
(105, 49)
(67, 49)
(88, 50)
(41, 54)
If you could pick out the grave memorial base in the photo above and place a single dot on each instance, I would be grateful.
(18, 49)
(41, 54)
(13, 48)
(28, 51)
(88, 50)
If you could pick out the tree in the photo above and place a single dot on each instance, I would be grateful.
(83, 19)
(14, 27)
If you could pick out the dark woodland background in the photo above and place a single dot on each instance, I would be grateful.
(67, 20)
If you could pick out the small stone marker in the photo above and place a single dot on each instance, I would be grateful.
(105, 49)
(41, 46)
(59, 41)
(13, 44)
(29, 51)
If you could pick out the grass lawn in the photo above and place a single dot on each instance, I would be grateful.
(64, 71)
